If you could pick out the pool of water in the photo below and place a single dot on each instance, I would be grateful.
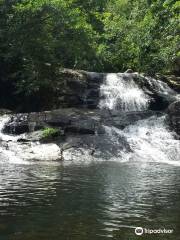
(104, 200)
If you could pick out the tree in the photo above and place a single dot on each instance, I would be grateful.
(38, 37)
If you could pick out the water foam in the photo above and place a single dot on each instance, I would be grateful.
(122, 94)
(150, 139)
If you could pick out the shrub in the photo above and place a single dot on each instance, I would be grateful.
(50, 132)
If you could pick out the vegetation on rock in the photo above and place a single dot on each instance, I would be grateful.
(50, 132)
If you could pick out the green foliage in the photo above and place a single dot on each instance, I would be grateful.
(141, 35)
(50, 133)
(37, 37)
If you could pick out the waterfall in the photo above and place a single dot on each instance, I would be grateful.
(3, 137)
(149, 139)
(128, 131)
(120, 92)
(5, 140)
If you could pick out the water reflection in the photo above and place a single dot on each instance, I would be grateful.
(97, 201)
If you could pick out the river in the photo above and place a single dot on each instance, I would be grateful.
(96, 201)
(132, 180)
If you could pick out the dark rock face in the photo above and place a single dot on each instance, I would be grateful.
(158, 102)
(5, 111)
(126, 119)
(174, 116)
(78, 89)
(161, 95)
(73, 120)
(70, 120)
(172, 80)
(19, 124)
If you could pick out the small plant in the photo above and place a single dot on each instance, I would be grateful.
(50, 132)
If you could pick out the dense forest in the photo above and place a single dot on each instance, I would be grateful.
(38, 37)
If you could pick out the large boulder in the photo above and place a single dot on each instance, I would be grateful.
(174, 116)
(77, 88)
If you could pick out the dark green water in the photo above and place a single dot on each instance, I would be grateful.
(97, 201)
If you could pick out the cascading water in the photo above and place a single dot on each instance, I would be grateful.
(4, 137)
(130, 135)
(121, 92)
(149, 139)
(14, 151)
(5, 152)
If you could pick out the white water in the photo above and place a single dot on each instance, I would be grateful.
(5, 152)
(161, 87)
(150, 139)
(3, 137)
(19, 153)
(121, 94)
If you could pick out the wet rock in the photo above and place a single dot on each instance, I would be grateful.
(174, 116)
(95, 78)
(19, 123)
(160, 94)
(74, 87)
(72, 121)
(125, 119)
(15, 128)
(158, 102)
(23, 140)
(172, 81)
(129, 71)
(90, 147)
(5, 111)
(82, 121)
(33, 136)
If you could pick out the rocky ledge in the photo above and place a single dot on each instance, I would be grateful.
(78, 134)
(83, 89)
(174, 116)
(172, 80)
(72, 120)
